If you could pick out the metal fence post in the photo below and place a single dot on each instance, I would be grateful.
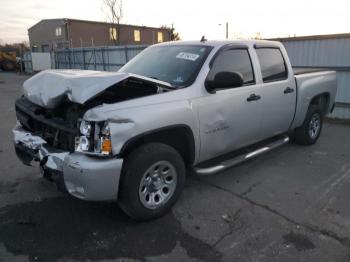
(73, 57)
(103, 59)
(69, 58)
(126, 54)
(56, 60)
(94, 53)
(109, 69)
(83, 58)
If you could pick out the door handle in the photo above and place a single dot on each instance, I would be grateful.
(253, 97)
(288, 90)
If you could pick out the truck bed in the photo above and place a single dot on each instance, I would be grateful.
(309, 85)
(306, 70)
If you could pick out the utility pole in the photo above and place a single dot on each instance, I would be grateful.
(171, 32)
(226, 27)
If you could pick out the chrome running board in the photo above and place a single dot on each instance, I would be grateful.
(240, 158)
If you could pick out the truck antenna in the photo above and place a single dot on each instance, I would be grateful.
(203, 39)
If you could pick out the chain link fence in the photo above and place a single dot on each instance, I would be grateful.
(95, 58)
(109, 58)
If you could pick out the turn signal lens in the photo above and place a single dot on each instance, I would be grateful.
(106, 147)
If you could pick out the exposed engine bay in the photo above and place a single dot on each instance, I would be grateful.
(130, 88)
(60, 125)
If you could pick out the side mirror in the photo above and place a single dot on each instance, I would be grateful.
(224, 80)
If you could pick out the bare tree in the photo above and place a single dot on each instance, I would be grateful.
(114, 14)
(257, 36)
(174, 36)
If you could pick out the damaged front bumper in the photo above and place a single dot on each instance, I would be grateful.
(83, 176)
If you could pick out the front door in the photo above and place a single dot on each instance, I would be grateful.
(229, 118)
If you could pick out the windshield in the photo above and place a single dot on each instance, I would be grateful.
(175, 64)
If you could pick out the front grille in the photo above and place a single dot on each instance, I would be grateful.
(55, 131)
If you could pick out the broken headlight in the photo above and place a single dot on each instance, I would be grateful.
(95, 138)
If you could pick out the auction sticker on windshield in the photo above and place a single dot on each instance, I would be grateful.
(187, 56)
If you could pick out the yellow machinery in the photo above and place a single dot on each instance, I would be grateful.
(8, 60)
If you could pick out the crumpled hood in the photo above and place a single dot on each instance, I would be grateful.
(50, 87)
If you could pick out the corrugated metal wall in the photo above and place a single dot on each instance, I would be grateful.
(326, 53)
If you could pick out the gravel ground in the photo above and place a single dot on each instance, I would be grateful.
(287, 205)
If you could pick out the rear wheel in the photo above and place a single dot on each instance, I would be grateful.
(310, 131)
(8, 65)
(152, 180)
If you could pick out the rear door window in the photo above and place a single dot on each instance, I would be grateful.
(273, 66)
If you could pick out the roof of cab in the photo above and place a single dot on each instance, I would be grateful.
(219, 43)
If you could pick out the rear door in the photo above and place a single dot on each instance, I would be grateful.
(278, 91)
(228, 119)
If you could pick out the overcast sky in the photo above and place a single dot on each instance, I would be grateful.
(192, 19)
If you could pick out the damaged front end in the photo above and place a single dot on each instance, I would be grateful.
(29, 147)
(51, 129)
(82, 175)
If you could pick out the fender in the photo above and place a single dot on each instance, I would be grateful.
(183, 142)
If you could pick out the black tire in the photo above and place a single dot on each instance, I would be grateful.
(303, 135)
(8, 65)
(134, 171)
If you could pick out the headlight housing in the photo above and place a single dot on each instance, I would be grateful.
(95, 138)
(85, 128)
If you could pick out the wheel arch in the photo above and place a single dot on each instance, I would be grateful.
(179, 136)
(321, 100)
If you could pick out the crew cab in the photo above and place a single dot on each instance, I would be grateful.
(190, 106)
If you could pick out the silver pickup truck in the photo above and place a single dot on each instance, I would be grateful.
(131, 136)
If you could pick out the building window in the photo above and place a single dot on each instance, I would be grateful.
(113, 33)
(58, 31)
(35, 48)
(137, 36)
(160, 37)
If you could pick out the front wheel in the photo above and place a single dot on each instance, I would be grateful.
(152, 180)
(310, 131)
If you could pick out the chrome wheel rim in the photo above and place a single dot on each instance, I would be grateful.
(314, 125)
(158, 184)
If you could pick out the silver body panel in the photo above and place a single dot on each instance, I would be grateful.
(220, 122)
(309, 85)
